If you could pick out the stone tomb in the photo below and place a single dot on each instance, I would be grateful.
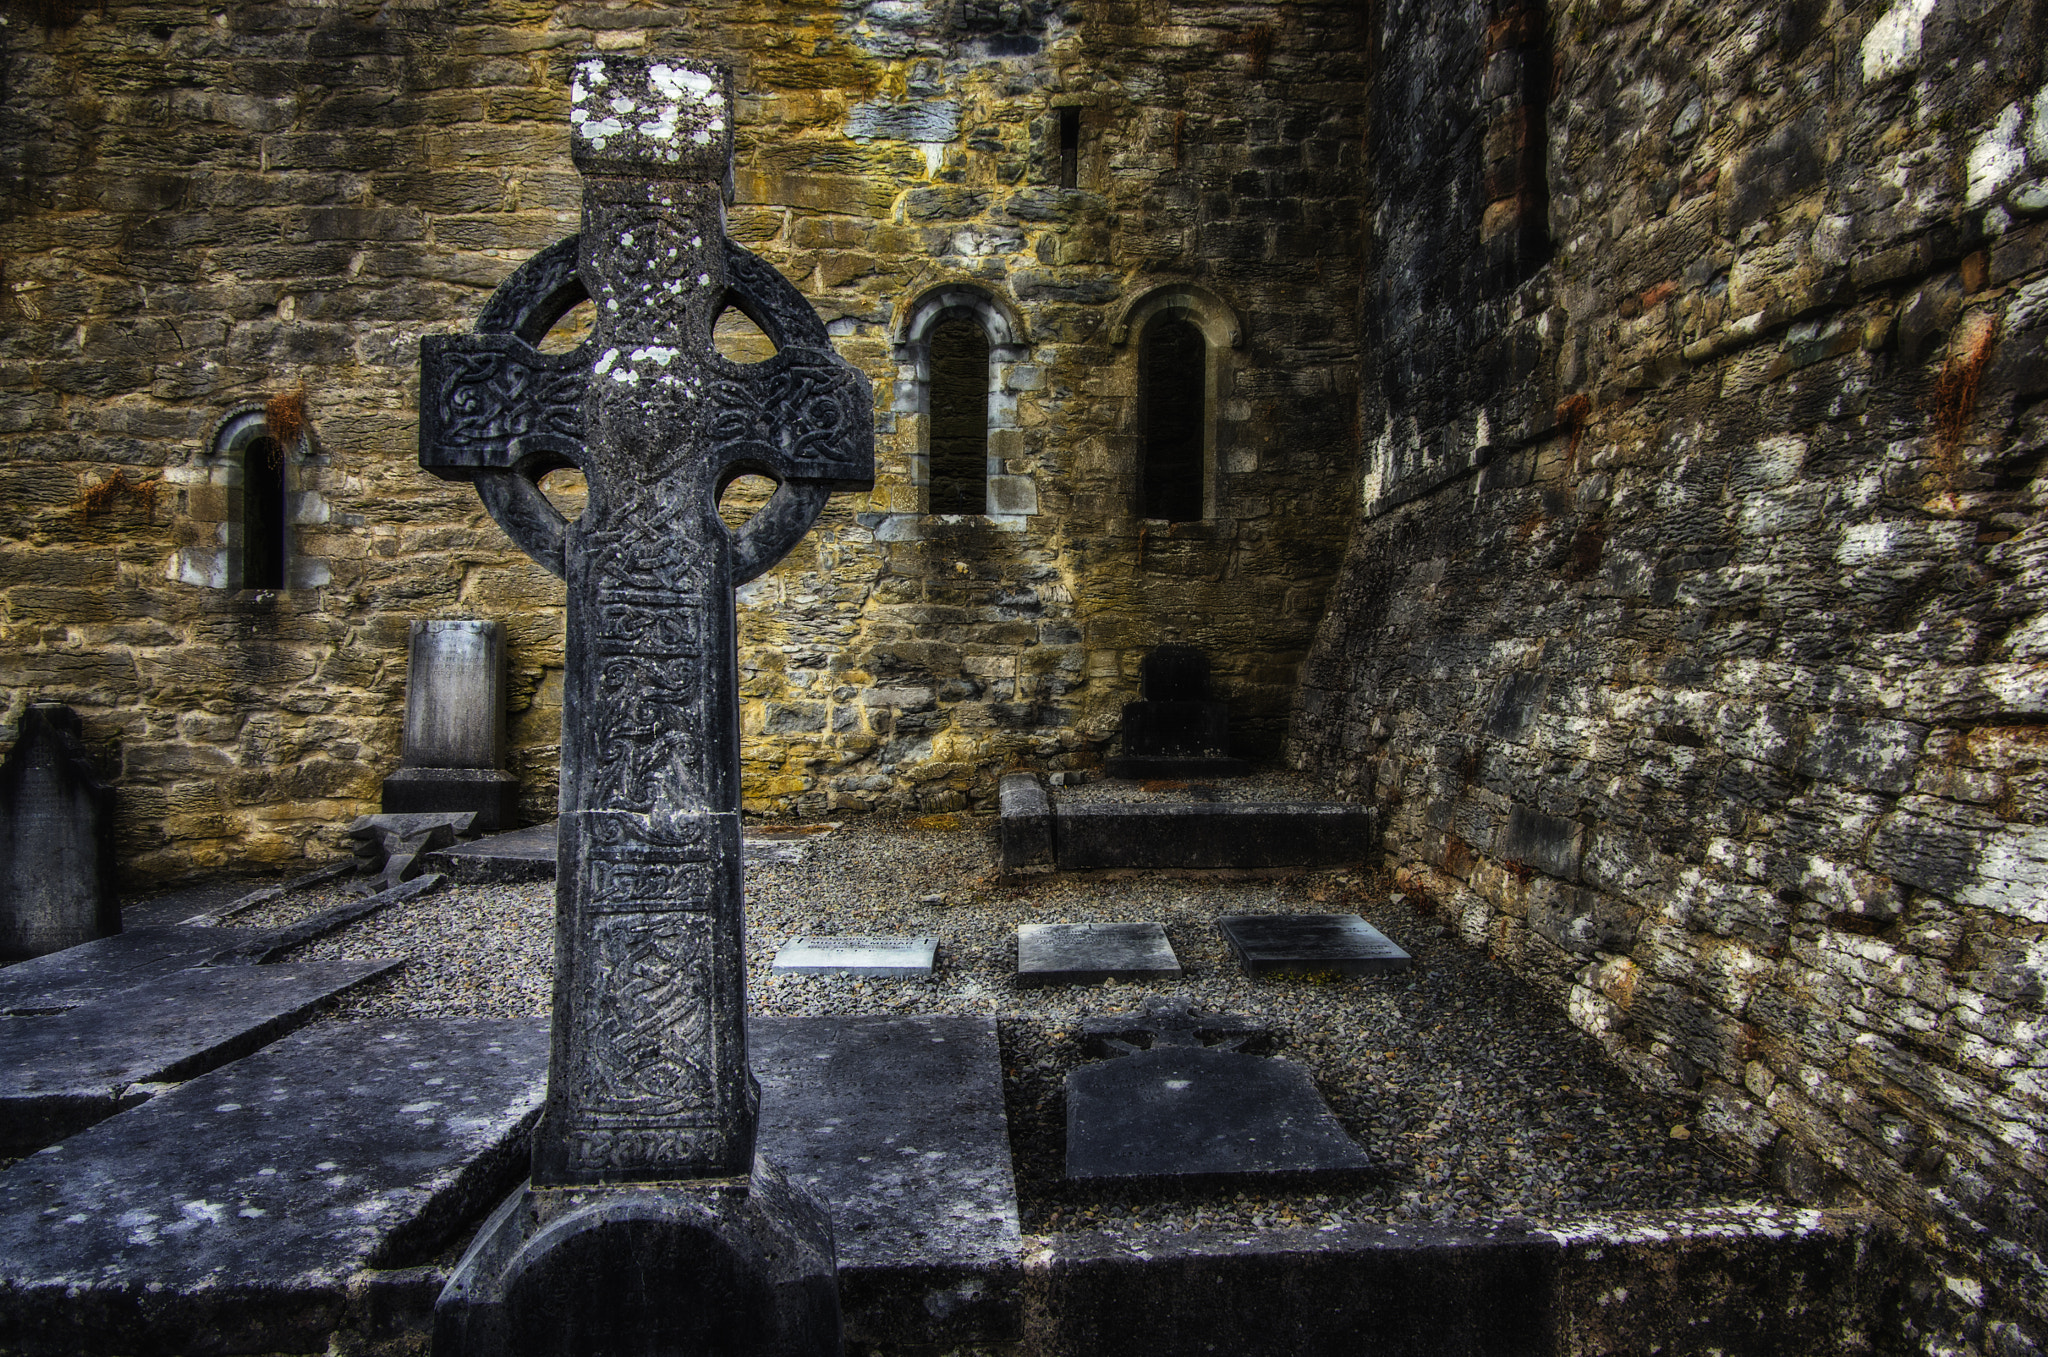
(646, 1148)
(1185, 1113)
(1311, 944)
(859, 955)
(56, 840)
(1175, 728)
(1088, 954)
(454, 758)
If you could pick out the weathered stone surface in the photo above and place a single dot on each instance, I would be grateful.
(514, 855)
(1027, 821)
(1188, 1114)
(896, 1125)
(882, 958)
(95, 970)
(1088, 954)
(234, 1212)
(61, 1073)
(1283, 944)
(455, 695)
(56, 840)
(1224, 834)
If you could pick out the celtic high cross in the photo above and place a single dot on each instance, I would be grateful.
(648, 1077)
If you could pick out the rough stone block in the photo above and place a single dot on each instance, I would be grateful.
(56, 840)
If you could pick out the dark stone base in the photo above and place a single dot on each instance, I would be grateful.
(1247, 834)
(1027, 820)
(1149, 767)
(492, 795)
(715, 1265)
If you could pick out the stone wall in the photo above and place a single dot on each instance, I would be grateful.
(205, 206)
(1694, 638)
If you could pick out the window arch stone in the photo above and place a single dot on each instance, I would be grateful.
(1145, 321)
(241, 501)
(1011, 494)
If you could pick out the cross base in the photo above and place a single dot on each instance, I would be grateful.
(728, 1265)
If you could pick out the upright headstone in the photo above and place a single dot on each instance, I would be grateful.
(455, 725)
(1175, 728)
(648, 1081)
(56, 840)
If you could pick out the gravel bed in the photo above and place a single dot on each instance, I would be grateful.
(1475, 1095)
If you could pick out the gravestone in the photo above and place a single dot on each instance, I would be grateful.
(56, 840)
(1088, 954)
(861, 956)
(1185, 1113)
(1311, 944)
(648, 1081)
(455, 725)
(1175, 728)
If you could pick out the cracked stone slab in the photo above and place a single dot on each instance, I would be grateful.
(897, 1126)
(60, 1074)
(94, 970)
(230, 1213)
(1088, 954)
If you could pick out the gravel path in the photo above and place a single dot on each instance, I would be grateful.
(1472, 1091)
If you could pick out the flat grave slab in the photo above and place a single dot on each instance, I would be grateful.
(897, 1126)
(515, 855)
(1207, 1116)
(230, 1213)
(865, 956)
(60, 1074)
(1084, 954)
(1299, 944)
(93, 970)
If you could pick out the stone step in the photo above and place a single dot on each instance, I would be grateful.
(1040, 830)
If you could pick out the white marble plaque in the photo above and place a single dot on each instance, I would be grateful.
(862, 955)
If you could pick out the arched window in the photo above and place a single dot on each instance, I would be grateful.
(960, 354)
(257, 532)
(1184, 371)
(959, 417)
(1173, 416)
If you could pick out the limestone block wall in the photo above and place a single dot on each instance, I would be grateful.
(204, 207)
(1693, 639)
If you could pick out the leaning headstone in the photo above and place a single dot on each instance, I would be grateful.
(861, 956)
(648, 1081)
(1311, 944)
(1088, 954)
(455, 725)
(56, 840)
(1186, 1114)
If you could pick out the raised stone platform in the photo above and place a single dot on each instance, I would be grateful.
(1038, 830)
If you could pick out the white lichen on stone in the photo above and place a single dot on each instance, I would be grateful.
(1893, 43)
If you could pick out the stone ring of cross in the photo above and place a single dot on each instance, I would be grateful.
(496, 411)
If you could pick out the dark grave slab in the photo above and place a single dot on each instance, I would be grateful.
(1242, 834)
(529, 855)
(1088, 954)
(179, 905)
(231, 1213)
(245, 900)
(60, 1074)
(897, 1126)
(269, 944)
(864, 956)
(1185, 1114)
(94, 970)
(1306, 944)
(1027, 823)
(56, 840)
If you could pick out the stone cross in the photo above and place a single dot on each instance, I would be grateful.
(648, 1077)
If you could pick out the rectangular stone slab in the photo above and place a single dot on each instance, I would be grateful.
(868, 957)
(897, 1126)
(1244, 834)
(94, 970)
(230, 1213)
(1281, 944)
(1088, 954)
(60, 1074)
